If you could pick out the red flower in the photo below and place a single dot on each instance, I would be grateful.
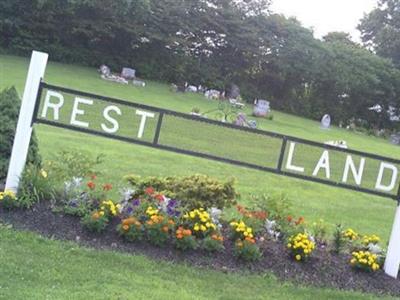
(149, 191)
(91, 185)
(93, 177)
(290, 219)
(159, 197)
(107, 187)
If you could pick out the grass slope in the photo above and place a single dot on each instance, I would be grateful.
(36, 268)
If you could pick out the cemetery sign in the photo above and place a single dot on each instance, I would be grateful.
(201, 137)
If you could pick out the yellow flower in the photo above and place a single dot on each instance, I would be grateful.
(43, 173)
(298, 257)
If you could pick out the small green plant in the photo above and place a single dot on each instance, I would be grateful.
(247, 250)
(213, 243)
(96, 221)
(339, 240)
(184, 240)
(70, 164)
(319, 230)
(35, 185)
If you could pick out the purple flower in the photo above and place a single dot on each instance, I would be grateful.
(136, 202)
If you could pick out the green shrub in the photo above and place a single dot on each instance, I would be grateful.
(69, 164)
(35, 185)
(95, 221)
(193, 191)
(247, 250)
(9, 107)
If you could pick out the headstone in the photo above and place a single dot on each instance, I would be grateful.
(105, 70)
(191, 89)
(395, 138)
(233, 92)
(138, 82)
(212, 94)
(241, 120)
(261, 108)
(128, 73)
(326, 121)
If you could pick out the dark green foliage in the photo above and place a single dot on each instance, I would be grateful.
(194, 191)
(219, 42)
(9, 110)
(339, 241)
(35, 186)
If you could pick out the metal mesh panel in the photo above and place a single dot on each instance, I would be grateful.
(230, 143)
(182, 133)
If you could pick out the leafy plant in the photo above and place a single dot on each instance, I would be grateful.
(213, 243)
(35, 185)
(319, 230)
(339, 241)
(69, 164)
(131, 229)
(184, 240)
(96, 221)
(247, 250)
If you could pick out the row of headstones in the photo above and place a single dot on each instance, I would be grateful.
(124, 77)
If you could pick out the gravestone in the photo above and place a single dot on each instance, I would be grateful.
(261, 108)
(395, 138)
(105, 70)
(128, 73)
(326, 122)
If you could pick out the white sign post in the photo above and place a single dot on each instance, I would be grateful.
(392, 262)
(23, 133)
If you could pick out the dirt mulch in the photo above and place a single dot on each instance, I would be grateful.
(322, 270)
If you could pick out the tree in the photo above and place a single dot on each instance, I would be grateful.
(380, 30)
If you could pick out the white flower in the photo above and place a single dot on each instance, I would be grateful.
(126, 194)
(374, 248)
(215, 215)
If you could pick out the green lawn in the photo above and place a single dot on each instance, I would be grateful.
(363, 212)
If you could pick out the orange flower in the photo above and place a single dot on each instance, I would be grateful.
(107, 187)
(250, 240)
(300, 221)
(129, 221)
(150, 222)
(125, 227)
(289, 218)
(95, 215)
(165, 228)
(171, 222)
(187, 232)
(179, 236)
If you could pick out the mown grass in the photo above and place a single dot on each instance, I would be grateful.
(33, 267)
